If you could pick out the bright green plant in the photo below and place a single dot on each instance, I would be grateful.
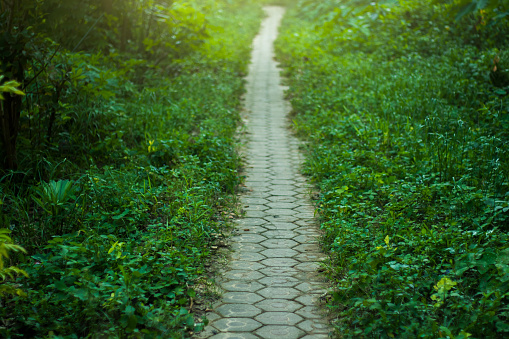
(9, 273)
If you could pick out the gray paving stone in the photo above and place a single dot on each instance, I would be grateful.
(280, 271)
(251, 229)
(280, 211)
(255, 214)
(308, 287)
(279, 292)
(278, 332)
(241, 298)
(280, 218)
(279, 252)
(238, 310)
(236, 324)
(279, 262)
(309, 256)
(279, 198)
(309, 312)
(243, 275)
(246, 265)
(280, 234)
(241, 286)
(255, 238)
(306, 239)
(241, 335)
(284, 226)
(247, 246)
(278, 318)
(260, 201)
(277, 205)
(250, 222)
(316, 336)
(307, 266)
(279, 243)
(307, 248)
(257, 207)
(248, 256)
(278, 305)
(313, 326)
(283, 281)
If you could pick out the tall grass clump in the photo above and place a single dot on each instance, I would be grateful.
(125, 163)
(406, 114)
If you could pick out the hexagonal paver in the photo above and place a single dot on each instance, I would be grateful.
(243, 275)
(236, 324)
(248, 256)
(278, 305)
(241, 298)
(280, 234)
(241, 286)
(284, 226)
(280, 271)
(278, 318)
(248, 247)
(251, 222)
(309, 312)
(309, 256)
(279, 292)
(255, 214)
(308, 299)
(279, 243)
(280, 211)
(282, 193)
(279, 253)
(308, 287)
(307, 247)
(278, 332)
(307, 266)
(238, 310)
(255, 207)
(255, 238)
(249, 201)
(279, 262)
(313, 326)
(283, 281)
(277, 205)
(242, 229)
(306, 239)
(241, 335)
(316, 336)
(246, 265)
(280, 218)
(279, 198)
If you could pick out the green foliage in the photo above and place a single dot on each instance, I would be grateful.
(9, 273)
(125, 166)
(406, 113)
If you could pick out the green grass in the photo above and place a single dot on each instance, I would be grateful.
(119, 209)
(407, 123)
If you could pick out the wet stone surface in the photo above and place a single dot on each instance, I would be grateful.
(271, 287)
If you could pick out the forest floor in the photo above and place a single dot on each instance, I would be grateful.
(271, 284)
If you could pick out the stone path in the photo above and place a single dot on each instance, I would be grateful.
(271, 285)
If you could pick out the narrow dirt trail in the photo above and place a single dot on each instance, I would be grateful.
(271, 285)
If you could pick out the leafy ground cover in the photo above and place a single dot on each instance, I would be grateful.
(406, 114)
(125, 165)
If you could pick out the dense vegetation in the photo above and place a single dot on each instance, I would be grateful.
(405, 106)
(117, 160)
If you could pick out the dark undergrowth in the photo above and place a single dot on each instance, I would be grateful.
(125, 170)
(406, 113)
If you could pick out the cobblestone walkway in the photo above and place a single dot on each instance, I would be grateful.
(271, 285)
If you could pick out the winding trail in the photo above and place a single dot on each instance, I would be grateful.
(271, 285)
